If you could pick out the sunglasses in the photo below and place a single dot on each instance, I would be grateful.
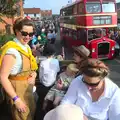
(91, 84)
(26, 33)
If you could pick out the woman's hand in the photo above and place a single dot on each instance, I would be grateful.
(31, 79)
(20, 105)
(59, 85)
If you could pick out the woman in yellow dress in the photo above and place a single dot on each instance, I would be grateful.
(17, 71)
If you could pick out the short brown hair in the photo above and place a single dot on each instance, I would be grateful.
(94, 68)
(20, 22)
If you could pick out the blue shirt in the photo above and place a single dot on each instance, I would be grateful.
(34, 40)
(49, 35)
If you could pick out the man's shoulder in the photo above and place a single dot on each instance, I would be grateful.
(77, 80)
(111, 87)
(54, 60)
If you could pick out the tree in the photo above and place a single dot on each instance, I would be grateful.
(9, 8)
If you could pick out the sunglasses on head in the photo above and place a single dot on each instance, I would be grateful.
(91, 84)
(26, 33)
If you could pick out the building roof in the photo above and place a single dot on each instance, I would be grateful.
(32, 10)
(46, 12)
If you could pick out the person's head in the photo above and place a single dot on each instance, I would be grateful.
(65, 112)
(49, 31)
(80, 53)
(71, 69)
(49, 50)
(23, 29)
(94, 71)
(43, 30)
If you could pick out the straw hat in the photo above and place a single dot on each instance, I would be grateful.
(73, 67)
(82, 50)
(65, 112)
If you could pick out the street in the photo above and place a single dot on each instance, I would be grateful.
(114, 66)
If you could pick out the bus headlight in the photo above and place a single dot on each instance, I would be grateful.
(113, 48)
(93, 50)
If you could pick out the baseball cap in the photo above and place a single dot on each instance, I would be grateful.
(65, 112)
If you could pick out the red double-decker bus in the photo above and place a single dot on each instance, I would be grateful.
(86, 22)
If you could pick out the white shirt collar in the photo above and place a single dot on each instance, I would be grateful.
(24, 47)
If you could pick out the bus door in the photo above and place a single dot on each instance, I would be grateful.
(82, 37)
(73, 38)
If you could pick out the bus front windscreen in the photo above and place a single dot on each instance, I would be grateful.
(94, 34)
(108, 7)
(93, 7)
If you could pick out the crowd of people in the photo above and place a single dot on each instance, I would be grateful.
(46, 32)
(83, 91)
(115, 35)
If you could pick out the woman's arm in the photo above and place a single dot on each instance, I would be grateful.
(7, 63)
(114, 110)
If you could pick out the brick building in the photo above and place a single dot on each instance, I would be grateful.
(10, 21)
(46, 13)
(37, 13)
(32, 12)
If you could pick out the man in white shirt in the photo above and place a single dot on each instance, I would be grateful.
(85, 92)
(47, 75)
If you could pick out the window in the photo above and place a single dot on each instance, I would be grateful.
(62, 13)
(74, 35)
(93, 7)
(67, 11)
(75, 9)
(34, 15)
(101, 20)
(94, 34)
(82, 35)
(108, 7)
(104, 32)
(80, 8)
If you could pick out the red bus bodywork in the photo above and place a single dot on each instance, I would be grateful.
(89, 17)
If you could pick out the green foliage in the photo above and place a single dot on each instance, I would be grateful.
(9, 8)
(5, 38)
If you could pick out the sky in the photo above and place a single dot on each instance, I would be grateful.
(55, 5)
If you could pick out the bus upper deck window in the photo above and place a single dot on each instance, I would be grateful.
(93, 7)
(108, 7)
